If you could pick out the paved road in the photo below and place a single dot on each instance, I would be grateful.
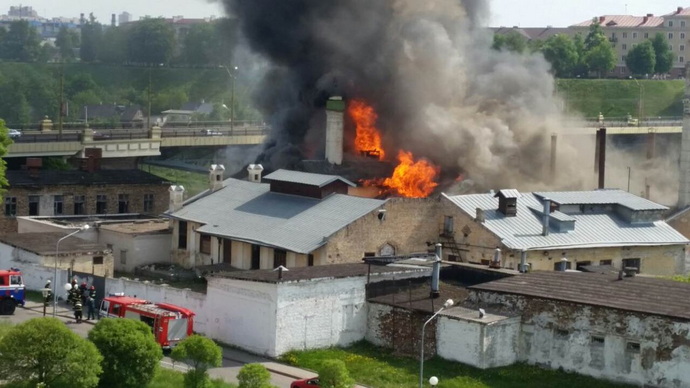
(281, 375)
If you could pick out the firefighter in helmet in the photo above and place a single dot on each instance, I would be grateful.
(91, 304)
(78, 308)
(49, 293)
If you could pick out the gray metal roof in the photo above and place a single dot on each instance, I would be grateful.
(306, 178)
(508, 193)
(248, 211)
(601, 197)
(523, 232)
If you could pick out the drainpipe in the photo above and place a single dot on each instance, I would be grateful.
(435, 273)
(523, 261)
(545, 217)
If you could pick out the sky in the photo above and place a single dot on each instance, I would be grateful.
(523, 13)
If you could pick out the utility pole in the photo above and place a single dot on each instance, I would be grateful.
(232, 102)
(61, 112)
(148, 116)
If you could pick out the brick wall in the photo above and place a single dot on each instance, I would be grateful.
(400, 329)
(135, 192)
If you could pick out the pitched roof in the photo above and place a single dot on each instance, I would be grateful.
(638, 294)
(83, 178)
(623, 21)
(306, 178)
(249, 212)
(598, 229)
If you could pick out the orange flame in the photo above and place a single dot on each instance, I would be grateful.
(413, 179)
(367, 138)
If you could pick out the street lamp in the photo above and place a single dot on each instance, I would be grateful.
(447, 304)
(433, 381)
(57, 252)
(232, 94)
(639, 100)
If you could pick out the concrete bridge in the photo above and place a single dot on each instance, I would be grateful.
(122, 143)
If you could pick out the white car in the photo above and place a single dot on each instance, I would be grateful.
(14, 133)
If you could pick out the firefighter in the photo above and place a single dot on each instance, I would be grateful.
(78, 308)
(49, 294)
(91, 304)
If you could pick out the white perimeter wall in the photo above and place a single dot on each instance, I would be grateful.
(242, 313)
(141, 249)
(320, 313)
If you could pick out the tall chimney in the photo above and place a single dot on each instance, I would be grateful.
(215, 177)
(545, 217)
(601, 137)
(254, 172)
(436, 273)
(176, 198)
(684, 187)
(554, 143)
(112, 20)
(335, 106)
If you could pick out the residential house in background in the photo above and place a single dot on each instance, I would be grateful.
(551, 230)
(119, 116)
(88, 191)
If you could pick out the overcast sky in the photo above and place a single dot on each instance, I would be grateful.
(523, 13)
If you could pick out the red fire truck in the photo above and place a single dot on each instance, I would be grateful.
(170, 324)
(11, 291)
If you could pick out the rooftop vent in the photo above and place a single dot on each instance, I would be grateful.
(507, 202)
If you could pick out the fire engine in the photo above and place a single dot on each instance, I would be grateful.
(11, 290)
(170, 324)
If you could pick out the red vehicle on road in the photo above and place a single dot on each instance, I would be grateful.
(306, 383)
(170, 324)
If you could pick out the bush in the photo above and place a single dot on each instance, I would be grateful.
(334, 374)
(254, 376)
(201, 353)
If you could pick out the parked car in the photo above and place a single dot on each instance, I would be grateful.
(14, 133)
(306, 383)
(100, 135)
(211, 132)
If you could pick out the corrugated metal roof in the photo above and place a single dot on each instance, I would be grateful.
(306, 178)
(623, 21)
(601, 197)
(508, 193)
(248, 211)
(638, 294)
(683, 12)
(523, 232)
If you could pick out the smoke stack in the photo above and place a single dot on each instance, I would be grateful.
(436, 273)
(554, 143)
(545, 217)
(176, 198)
(601, 19)
(601, 141)
(215, 177)
(684, 187)
(334, 130)
(254, 172)
(645, 19)
(679, 10)
(563, 264)
(112, 20)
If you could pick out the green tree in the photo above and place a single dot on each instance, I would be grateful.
(5, 142)
(131, 354)
(199, 45)
(580, 69)
(201, 353)
(511, 41)
(91, 40)
(254, 376)
(66, 41)
(150, 41)
(663, 54)
(599, 54)
(641, 59)
(334, 374)
(45, 351)
(561, 52)
(21, 43)
(115, 51)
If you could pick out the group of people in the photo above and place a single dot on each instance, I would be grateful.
(80, 296)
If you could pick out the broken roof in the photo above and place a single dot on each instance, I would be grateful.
(637, 294)
(44, 244)
(306, 178)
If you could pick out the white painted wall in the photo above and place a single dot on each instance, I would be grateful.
(242, 313)
(141, 249)
(320, 313)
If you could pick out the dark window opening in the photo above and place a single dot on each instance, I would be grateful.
(34, 201)
(581, 264)
(11, 206)
(182, 235)
(632, 347)
(279, 258)
(596, 340)
(123, 203)
(97, 260)
(632, 263)
(101, 204)
(148, 203)
(558, 266)
(205, 244)
(369, 254)
(447, 225)
(256, 257)
(116, 309)
(79, 204)
(58, 205)
(310, 260)
(605, 262)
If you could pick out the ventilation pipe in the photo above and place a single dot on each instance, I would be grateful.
(436, 273)
(176, 197)
(480, 215)
(215, 177)
(601, 137)
(523, 261)
(545, 217)
(496, 262)
(254, 172)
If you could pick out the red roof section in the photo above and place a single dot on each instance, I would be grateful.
(624, 21)
(680, 11)
(125, 300)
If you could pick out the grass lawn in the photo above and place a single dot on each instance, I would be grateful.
(166, 378)
(193, 182)
(378, 368)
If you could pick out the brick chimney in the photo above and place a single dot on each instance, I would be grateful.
(601, 19)
(92, 160)
(679, 10)
(215, 177)
(176, 198)
(33, 165)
